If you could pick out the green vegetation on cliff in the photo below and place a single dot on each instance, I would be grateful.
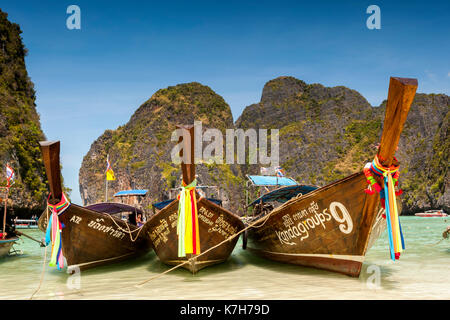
(20, 129)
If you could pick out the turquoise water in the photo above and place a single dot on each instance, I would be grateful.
(421, 273)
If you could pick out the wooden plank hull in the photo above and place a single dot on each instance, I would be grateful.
(91, 239)
(5, 246)
(330, 228)
(215, 225)
(348, 265)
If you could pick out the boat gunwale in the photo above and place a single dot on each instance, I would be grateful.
(102, 214)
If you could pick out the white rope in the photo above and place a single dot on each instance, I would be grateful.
(139, 229)
(252, 225)
(43, 266)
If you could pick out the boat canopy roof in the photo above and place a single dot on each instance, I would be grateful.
(131, 193)
(162, 204)
(272, 181)
(284, 194)
(113, 207)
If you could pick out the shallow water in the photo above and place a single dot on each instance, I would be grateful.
(421, 273)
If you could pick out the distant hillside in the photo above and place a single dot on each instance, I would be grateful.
(20, 129)
(325, 134)
(329, 133)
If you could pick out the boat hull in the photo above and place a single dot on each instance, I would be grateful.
(215, 225)
(5, 246)
(91, 239)
(346, 264)
(330, 228)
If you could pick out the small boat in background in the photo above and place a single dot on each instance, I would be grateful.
(432, 213)
(25, 224)
(7, 235)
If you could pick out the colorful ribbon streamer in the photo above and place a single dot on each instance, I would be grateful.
(187, 224)
(54, 230)
(388, 201)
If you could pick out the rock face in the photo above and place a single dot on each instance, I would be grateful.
(140, 150)
(424, 150)
(20, 130)
(318, 126)
(325, 135)
(329, 133)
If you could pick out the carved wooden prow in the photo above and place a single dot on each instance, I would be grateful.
(50, 155)
(400, 97)
(187, 161)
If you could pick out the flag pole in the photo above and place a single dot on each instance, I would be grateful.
(106, 177)
(4, 215)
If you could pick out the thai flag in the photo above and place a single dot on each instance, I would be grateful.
(9, 174)
(279, 171)
(109, 171)
(108, 165)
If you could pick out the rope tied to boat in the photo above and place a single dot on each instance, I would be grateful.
(187, 223)
(258, 223)
(54, 230)
(128, 230)
(43, 263)
(390, 175)
(375, 167)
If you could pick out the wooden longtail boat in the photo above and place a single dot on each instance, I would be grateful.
(89, 238)
(431, 213)
(332, 227)
(215, 223)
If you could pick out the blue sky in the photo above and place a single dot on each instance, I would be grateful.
(93, 79)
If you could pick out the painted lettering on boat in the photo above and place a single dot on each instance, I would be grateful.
(76, 219)
(98, 225)
(205, 215)
(305, 220)
(223, 227)
(159, 233)
(345, 223)
(173, 219)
